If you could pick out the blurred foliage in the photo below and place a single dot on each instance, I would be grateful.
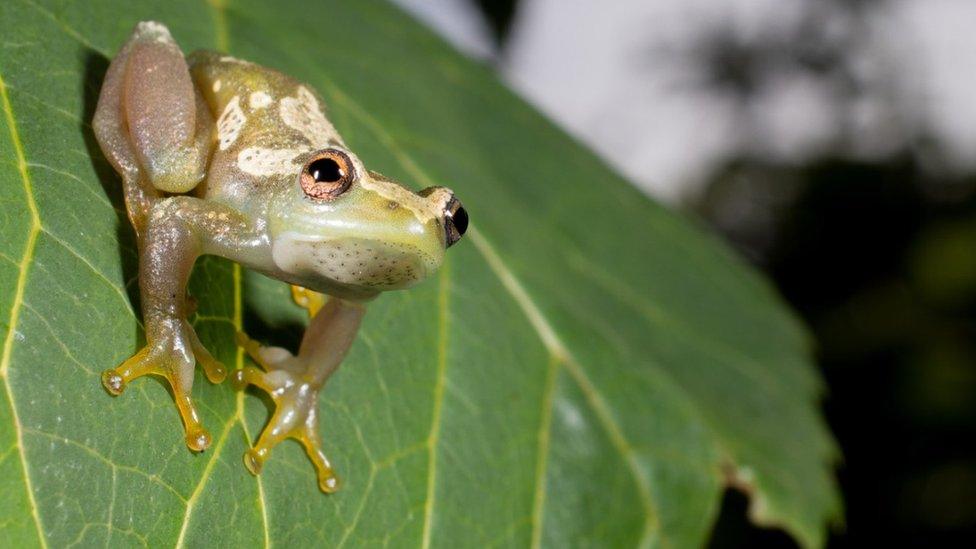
(884, 274)
(876, 252)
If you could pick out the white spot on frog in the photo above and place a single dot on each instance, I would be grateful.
(262, 161)
(217, 85)
(259, 100)
(279, 378)
(230, 123)
(302, 113)
(229, 59)
(157, 31)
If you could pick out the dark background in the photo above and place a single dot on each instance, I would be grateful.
(879, 258)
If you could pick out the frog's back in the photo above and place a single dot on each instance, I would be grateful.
(265, 121)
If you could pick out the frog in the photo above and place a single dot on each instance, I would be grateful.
(221, 156)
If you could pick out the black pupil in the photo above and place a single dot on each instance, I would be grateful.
(460, 220)
(325, 170)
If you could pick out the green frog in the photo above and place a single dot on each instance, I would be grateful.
(222, 156)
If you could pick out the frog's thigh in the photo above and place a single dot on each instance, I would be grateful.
(112, 133)
(160, 107)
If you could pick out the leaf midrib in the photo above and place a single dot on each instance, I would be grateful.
(23, 267)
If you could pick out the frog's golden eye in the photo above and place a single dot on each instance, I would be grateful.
(327, 175)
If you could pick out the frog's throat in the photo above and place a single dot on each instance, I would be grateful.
(357, 263)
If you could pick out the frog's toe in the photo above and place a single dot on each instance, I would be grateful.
(252, 348)
(309, 438)
(254, 460)
(268, 358)
(248, 375)
(198, 439)
(212, 368)
(329, 483)
(113, 381)
(237, 381)
(164, 359)
(116, 379)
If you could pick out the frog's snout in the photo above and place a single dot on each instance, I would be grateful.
(452, 214)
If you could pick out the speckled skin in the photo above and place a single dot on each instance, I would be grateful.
(221, 156)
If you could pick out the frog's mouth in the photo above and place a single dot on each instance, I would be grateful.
(353, 261)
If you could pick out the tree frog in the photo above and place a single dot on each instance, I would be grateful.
(225, 157)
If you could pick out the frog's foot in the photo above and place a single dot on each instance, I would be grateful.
(169, 359)
(307, 299)
(296, 403)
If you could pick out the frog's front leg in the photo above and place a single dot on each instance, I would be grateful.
(295, 381)
(178, 231)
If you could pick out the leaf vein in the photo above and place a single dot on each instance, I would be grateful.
(438, 404)
(542, 459)
(18, 302)
(67, 30)
(239, 360)
(100, 197)
(117, 289)
(204, 477)
(359, 510)
(107, 461)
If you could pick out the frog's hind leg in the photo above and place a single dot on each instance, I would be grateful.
(169, 123)
(153, 125)
(109, 126)
(294, 382)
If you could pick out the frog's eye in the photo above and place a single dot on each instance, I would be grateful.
(455, 221)
(327, 175)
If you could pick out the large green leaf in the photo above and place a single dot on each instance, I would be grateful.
(588, 368)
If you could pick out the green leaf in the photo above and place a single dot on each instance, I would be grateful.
(587, 369)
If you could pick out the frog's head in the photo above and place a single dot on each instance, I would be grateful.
(341, 226)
